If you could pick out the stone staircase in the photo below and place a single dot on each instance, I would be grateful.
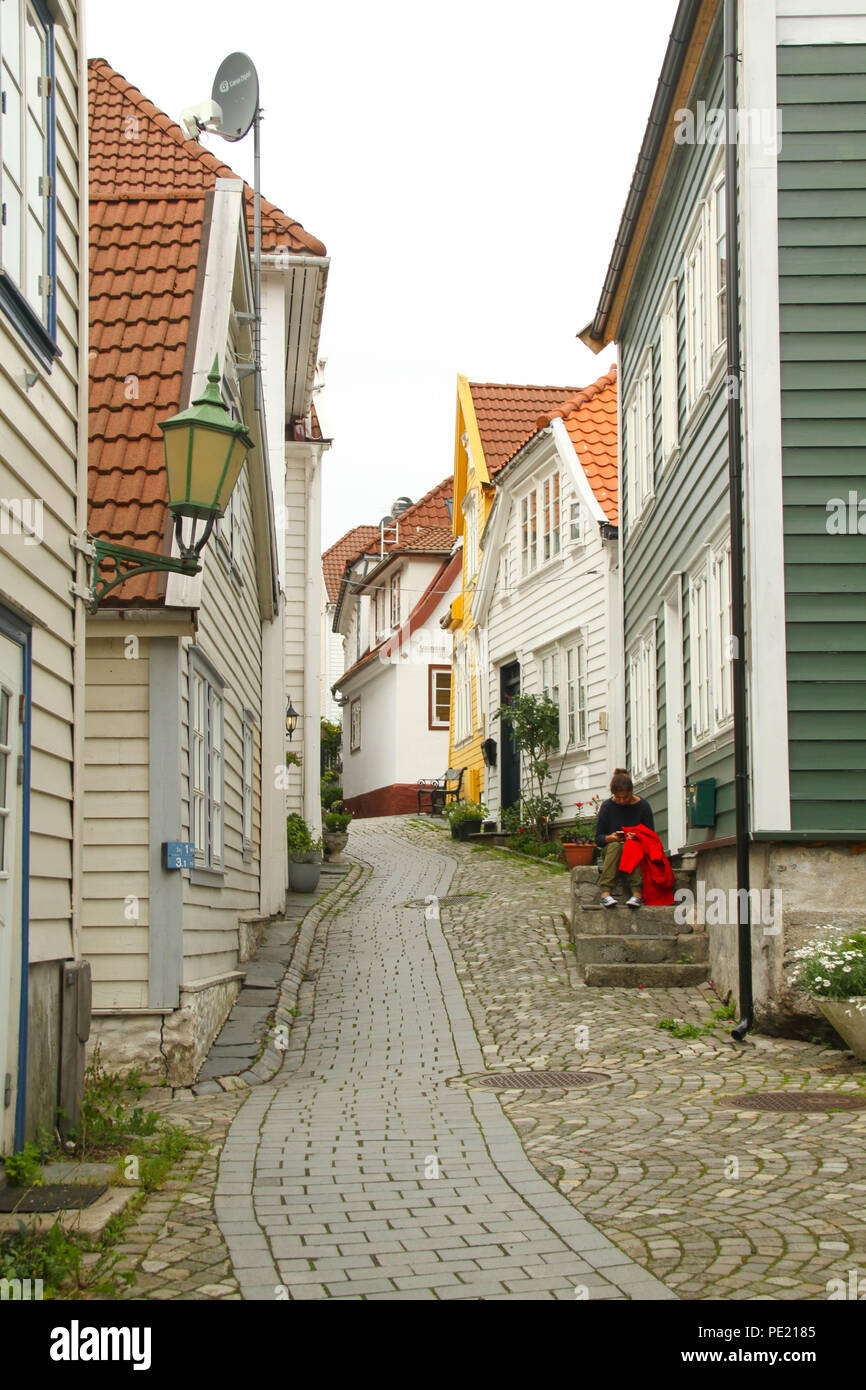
(631, 947)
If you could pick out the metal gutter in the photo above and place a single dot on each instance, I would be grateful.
(735, 489)
(672, 67)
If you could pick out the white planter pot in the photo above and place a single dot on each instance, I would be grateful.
(848, 1020)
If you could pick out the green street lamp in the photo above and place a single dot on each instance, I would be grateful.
(204, 453)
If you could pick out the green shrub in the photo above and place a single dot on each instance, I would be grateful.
(336, 820)
(331, 791)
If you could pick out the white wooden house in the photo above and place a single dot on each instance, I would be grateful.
(186, 677)
(545, 607)
(43, 428)
(396, 689)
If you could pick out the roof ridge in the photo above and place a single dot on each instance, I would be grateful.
(520, 386)
(193, 150)
(446, 482)
(588, 393)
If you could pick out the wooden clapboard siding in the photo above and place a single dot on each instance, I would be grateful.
(540, 611)
(822, 288)
(38, 459)
(295, 583)
(690, 504)
(230, 637)
(116, 832)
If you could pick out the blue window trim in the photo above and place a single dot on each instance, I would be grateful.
(12, 627)
(39, 337)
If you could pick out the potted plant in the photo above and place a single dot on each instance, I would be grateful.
(305, 855)
(465, 818)
(833, 969)
(579, 843)
(335, 833)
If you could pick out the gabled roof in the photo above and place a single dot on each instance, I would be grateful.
(507, 415)
(591, 422)
(147, 202)
(431, 509)
(355, 543)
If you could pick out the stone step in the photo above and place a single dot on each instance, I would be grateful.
(642, 950)
(625, 921)
(667, 976)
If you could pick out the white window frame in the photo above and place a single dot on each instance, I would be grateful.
(640, 427)
(206, 718)
(710, 643)
(434, 675)
(248, 783)
(643, 704)
(540, 522)
(462, 693)
(670, 387)
(562, 674)
(576, 522)
(549, 669)
(355, 724)
(705, 332)
(394, 599)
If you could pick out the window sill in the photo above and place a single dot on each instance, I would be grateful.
(546, 567)
(26, 321)
(207, 878)
(711, 744)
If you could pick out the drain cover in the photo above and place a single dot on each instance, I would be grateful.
(54, 1196)
(812, 1102)
(539, 1080)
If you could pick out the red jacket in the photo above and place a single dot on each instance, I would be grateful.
(643, 847)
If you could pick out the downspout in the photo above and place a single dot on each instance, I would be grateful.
(312, 645)
(735, 487)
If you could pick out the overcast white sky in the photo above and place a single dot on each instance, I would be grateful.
(465, 164)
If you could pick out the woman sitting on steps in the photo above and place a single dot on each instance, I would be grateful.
(615, 815)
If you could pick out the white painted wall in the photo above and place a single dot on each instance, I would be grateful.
(569, 594)
(811, 22)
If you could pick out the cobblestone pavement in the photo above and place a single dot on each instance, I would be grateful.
(322, 1188)
(717, 1203)
(362, 1171)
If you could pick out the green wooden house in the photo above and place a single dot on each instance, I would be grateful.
(798, 130)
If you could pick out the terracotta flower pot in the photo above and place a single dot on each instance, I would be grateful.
(578, 854)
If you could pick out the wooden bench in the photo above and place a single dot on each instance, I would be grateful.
(439, 789)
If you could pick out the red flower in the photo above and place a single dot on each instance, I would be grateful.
(521, 831)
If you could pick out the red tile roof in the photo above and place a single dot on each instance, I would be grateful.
(507, 415)
(147, 189)
(343, 551)
(431, 509)
(591, 421)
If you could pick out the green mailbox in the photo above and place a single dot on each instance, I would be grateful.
(701, 801)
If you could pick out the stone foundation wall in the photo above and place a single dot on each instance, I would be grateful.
(168, 1048)
(803, 887)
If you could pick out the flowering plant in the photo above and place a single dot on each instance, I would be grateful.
(583, 832)
(833, 967)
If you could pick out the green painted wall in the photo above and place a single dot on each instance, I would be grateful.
(822, 289)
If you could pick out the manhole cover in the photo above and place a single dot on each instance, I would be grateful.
(53, 1196)
(809, 1101)
(539, 1080)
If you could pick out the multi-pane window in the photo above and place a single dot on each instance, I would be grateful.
(248, 777)
(5, 789)
(26, 180)
(711, 643)
(462, 693)
(550, 678)
(206, 768)
(670, 375)
(395, 601)
(575, 677)
(705, 279)
(504, 570)
(576, 523)
(550, 510)
(439, 697)
(643, 713)
(355, 726)
(542, 507)
(639, 440)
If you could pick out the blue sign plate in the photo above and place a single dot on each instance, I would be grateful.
(178, 854)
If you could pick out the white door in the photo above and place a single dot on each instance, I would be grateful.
(11, 804)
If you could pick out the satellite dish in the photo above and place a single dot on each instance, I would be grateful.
(236, 92)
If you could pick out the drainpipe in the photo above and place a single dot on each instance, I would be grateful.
(735, 485)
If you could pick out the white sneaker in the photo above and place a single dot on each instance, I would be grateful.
(608, 901)
(634, 901)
